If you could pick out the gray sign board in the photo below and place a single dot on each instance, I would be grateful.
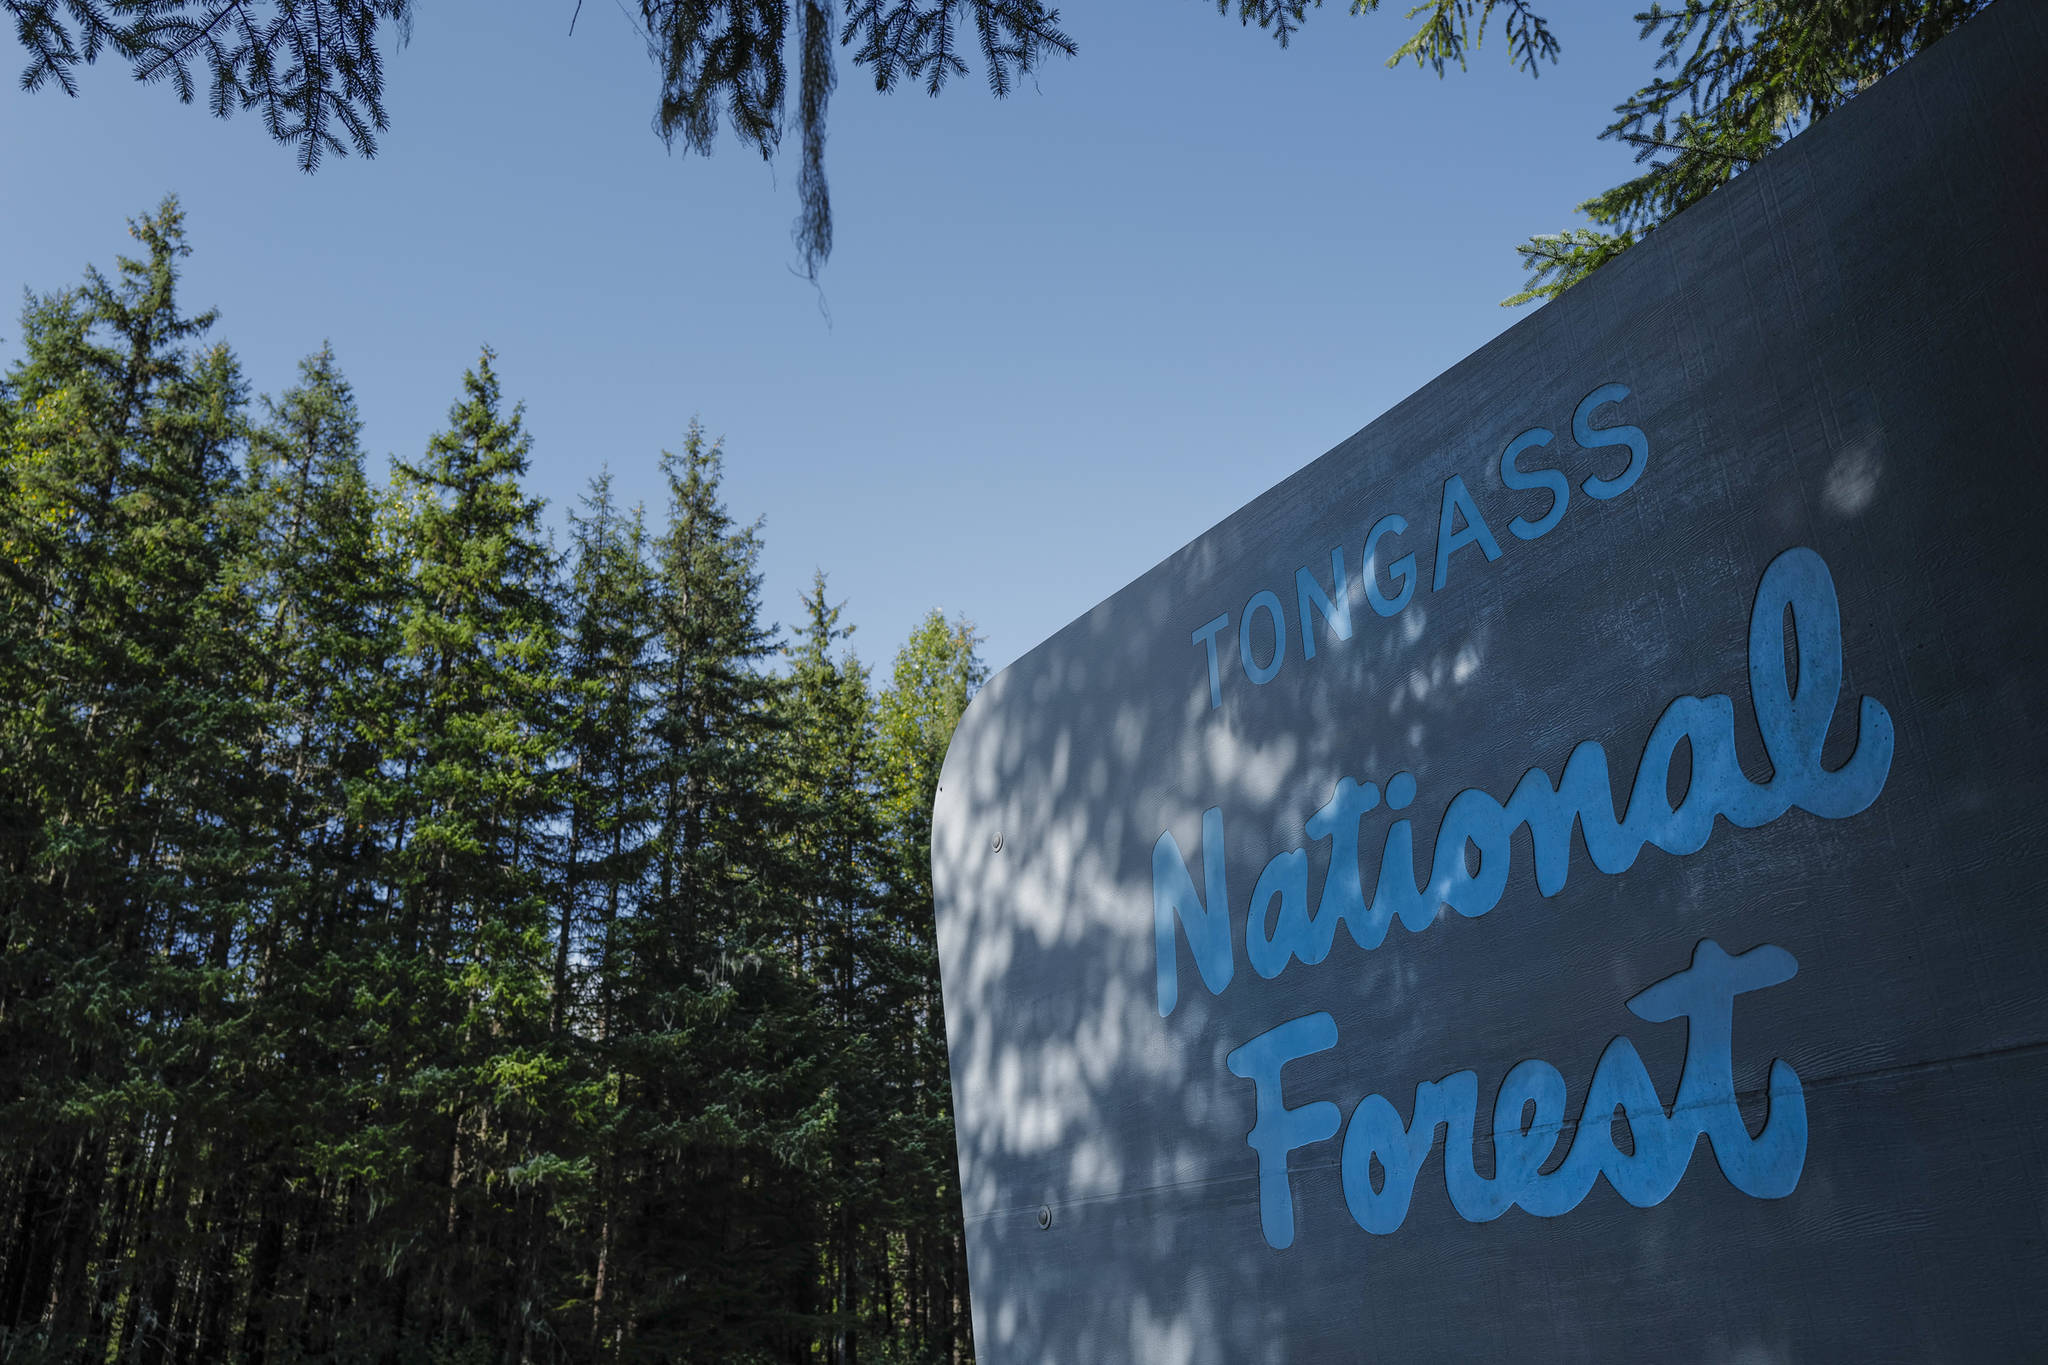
(1564, 875)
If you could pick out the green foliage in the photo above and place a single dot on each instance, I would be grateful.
(1450, 27)
(127, 831)
(307, 67)
(1745, 76)
(1557, 260)
(1448, 30)
(727, 55)
(312, 70)
(936, 676)
(419, 946)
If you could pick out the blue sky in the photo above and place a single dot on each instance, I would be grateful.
(1068, 331)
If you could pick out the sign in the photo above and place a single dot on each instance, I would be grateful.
(1564, 875)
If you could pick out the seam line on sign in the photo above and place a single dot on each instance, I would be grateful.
(1877, 1073)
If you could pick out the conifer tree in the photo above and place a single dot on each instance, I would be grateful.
(409, 951)
(610, 674)
(122, 885)
(469, 1044)
(936, 675)
(721, 1112)
(840, 942)
(326, 594)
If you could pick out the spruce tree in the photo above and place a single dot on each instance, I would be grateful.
(611, 813)
(835, 854)
(936, 675)
(721, 1112)
(409, 952)
(469, 976)
(326, 593)
(609, 672)
(123, 887)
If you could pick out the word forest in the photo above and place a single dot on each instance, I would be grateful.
(1793, 708)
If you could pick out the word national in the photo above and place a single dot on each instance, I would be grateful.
(1528, 1116)
(1792, 714)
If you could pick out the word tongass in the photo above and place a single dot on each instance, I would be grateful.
(1793, 725)
(1528, 1116)
(1459, 523)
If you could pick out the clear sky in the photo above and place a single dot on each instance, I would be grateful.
(1068, 331)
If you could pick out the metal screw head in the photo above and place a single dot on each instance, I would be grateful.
(1044, 1216)
(996, 844)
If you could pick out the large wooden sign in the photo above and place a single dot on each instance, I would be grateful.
(1565, 875)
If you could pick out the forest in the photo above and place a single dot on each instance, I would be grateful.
(422, 941)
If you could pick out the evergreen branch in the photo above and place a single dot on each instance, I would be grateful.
(309, 66)
(1556, 261)
(1451, 27)
(813, 230)
(1743, 77)
(1281, 17)
(1659, 145)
